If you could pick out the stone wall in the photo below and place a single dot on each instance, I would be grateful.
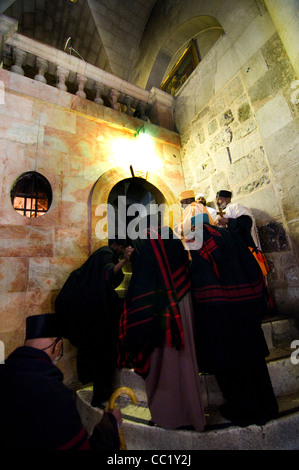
(69, 140)
(238, 119)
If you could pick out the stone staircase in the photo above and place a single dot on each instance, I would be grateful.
(219, 434)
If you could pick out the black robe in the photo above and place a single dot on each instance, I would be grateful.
(90, 310)
(227, 288)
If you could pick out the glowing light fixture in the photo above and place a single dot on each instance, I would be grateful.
(142, 128)
(138, 154)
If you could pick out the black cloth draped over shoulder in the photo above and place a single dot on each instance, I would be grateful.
(151, 314)
(227, 290)
(90, 309)
(87, 298)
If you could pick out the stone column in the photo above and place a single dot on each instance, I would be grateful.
(99, 90)
(62, 75)
(8, 27)
(19, 58)
(42, 66)
(128, 100)
(285, 16)
(113, 95)
(140, 110)
(81, 80)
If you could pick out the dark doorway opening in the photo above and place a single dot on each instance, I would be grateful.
(127, 196)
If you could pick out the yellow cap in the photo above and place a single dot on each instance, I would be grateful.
(186, 194)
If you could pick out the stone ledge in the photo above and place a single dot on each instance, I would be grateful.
(278, 434)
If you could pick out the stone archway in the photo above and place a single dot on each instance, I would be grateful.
(203, 29)
(131, 199)
(99, 195)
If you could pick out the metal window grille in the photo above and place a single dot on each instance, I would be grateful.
(31, 195)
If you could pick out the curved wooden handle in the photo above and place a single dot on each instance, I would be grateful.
(117, 393)
(121, 391)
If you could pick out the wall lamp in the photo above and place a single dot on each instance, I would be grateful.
(142, 128)
(141, 163)
(137, 154)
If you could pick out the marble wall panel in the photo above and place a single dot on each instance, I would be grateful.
(70, 240)
(37, 300)
(56, 117)
(94, 110)
(38, 90)
(26, 241)
(15, 158)
(56, 141)
(79, 104)
(76, 189)
(45, 274)
(40, 240)
(8, 215)
(17, 107)
(12, 311)
(79, 145)
(13, 274)
(14, 240)
(17, 130)
(72, 214)
(5, 79)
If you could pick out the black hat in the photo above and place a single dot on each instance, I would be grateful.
(45, 325)
(224, 193)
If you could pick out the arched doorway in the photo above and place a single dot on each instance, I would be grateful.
(154, 189)
(132, 199)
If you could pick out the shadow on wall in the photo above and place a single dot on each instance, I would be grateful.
(283, 278)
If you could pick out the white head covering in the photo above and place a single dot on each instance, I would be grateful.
(199, 195)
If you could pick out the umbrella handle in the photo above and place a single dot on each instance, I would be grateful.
(122, 442)
(121, 391)
(111, 405)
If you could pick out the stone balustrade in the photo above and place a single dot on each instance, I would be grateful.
(69, 73)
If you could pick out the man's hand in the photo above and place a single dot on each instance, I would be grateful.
(117, 415)
(221, 221)
(128, 253)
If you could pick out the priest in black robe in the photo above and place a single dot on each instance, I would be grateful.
(227, 288)
(90, 310)
(38, 412)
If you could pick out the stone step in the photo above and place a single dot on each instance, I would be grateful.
(219, 434)
(279, 330)
(283, 374)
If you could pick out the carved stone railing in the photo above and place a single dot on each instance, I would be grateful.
(70, 73)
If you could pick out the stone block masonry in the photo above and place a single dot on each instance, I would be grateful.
(245, 139)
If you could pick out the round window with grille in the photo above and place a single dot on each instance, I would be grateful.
(31, 194)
